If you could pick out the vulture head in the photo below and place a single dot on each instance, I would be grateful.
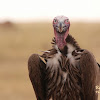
(61, 26)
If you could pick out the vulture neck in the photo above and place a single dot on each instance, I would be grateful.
(70, 46)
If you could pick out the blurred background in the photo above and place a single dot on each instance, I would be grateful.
(26, 28)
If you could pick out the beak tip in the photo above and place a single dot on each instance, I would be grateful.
(60, 30)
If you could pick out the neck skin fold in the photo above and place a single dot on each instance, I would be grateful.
(61, 39)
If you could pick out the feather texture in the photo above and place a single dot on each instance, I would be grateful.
(68, 74)
(62, 76)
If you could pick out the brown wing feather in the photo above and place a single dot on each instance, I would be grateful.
(36, 69)
(89, 70)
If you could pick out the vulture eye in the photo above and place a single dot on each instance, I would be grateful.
(67, 20)
(55, 20)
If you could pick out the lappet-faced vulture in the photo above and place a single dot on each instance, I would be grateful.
(68, 72)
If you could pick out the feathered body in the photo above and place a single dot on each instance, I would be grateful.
(69, 72)
(62, 71)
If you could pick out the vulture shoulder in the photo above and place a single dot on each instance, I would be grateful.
(36, 69)
(90, 75)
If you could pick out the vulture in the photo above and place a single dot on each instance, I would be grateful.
(66, 71)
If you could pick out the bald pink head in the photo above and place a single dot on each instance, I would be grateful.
(61, 26)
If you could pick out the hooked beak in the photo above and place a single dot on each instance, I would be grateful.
(60, 28)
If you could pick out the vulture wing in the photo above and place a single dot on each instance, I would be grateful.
(90, 75)
(36, 69)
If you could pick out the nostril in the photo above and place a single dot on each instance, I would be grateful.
(65, 26)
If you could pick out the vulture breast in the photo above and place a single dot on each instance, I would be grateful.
(57, 73)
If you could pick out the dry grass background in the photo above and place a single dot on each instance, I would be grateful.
(19, 41)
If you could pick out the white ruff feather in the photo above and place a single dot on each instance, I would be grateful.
(71, 48)
(54, 63)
